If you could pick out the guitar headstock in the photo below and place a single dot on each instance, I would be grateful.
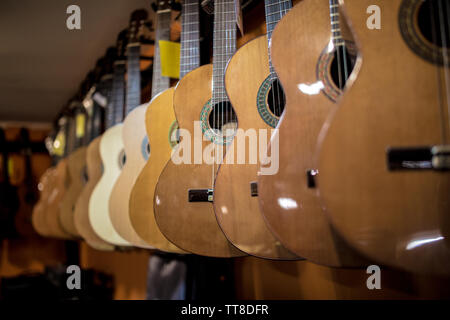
(163, 5)
(137, 25)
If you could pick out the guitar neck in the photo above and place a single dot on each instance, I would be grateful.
(160, 83)
(118, 93)
(105, 90)
(336, 34)
(190, 37)
(275, 10)
(133, 77)
(224, 45)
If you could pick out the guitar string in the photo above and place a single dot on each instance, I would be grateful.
(434, 35)
(446, 63)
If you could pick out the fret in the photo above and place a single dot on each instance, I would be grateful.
(275, 10)
(133, 97)
(336, 35)
(190, 37)
(118, 94)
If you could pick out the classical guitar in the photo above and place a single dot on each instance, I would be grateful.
(100, 99)
(111, 153)
(59, 180)
(76, 164)
(384, 160)
(38, 213)
(9, 201)
(313, 62)
(134, 138)
(258, 100)
(184, 193)
(161, 129)
(27, 190)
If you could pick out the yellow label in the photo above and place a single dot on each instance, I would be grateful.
(59, 144)
(10, 168)
(80, 123)
(169, 53)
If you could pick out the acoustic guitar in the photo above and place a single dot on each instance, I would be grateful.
(184, 193)
(111, 153)
(101, 98)
(39, 209)
(76, 165)
(161, 127)
(59, 180)
(313, 62)
(258, 100)
(134, 137)
(384, 158)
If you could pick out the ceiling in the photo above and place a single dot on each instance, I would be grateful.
(42, 63)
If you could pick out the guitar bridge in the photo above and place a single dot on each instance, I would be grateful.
(420, 158)
(201, 195)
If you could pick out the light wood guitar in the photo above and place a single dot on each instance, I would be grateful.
(39, 209)
(58, 184)
(101, 97)
(183, 208)
(111, 153)
(384, 160)
(134, 137)
(258, 100)
(76, 165)
(313, 62)
(161, 129)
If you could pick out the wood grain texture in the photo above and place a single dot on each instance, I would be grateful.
(76, 164)
(398, 218)
(133, 135)
(292, 210)
(57, 191)
(191, 226)
(236, 210)
(39, 209)
(81, 212)
(159, 117)
(111, 149)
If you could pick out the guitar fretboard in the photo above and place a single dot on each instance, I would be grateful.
(105, 89)
(118, 91)
(336, 35)
(275, 10)
(190, 37)
(133, 77)
(224, 45)
(160, 83)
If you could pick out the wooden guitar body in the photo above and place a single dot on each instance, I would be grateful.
(237, 211)
(81, 212)
(291, 208)
(112, 155)
(135, 146)
(39, 209)
(57, 190)
(160, 123)
(191, 226)
(400, 217)
(76, 163)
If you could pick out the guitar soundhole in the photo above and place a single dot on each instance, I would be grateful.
(276, 98)
(425, 27)
(222, 119)
(433, 22)
(341, 66)
(122, 159)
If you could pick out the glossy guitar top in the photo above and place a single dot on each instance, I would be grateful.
(112, 155)
(135, 147)
(76, 163)
(160, 123)
(390, 208)
(300, 42)
(57, 190)
(192, 226)
(39, 209)
(237, 211)
(81, 212)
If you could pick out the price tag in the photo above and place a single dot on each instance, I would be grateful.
(169, 53)
(80, 125)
